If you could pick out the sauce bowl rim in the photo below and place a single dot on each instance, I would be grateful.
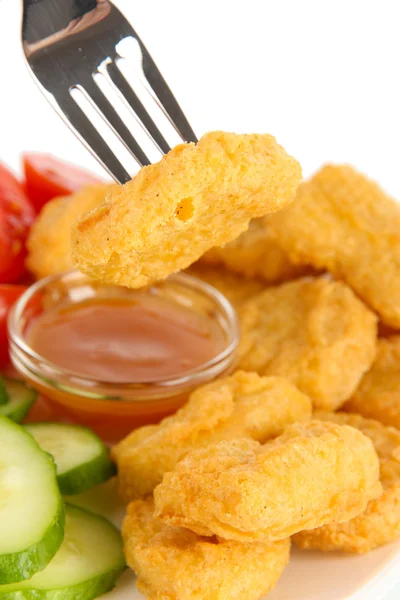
(52, 376)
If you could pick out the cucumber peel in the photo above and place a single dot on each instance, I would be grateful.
(3, 392)
(23, 565)
(20, 399)
(88, 564)
(31, 507)
(82, 459)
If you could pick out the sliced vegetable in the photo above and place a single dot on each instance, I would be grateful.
(20, 399)
(16, 217)
(82, 460)
(48, 177)
(8, 295)
(31, 507)
(88, 564)
(3, 392)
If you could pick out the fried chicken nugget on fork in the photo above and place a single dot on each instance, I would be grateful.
(313, 474)
(380, 523)
(176, 564)
(315, 332)
(242, 405)
(344, 222)
(49, 242)
(196, 197)
(378, 395)
(255, 253)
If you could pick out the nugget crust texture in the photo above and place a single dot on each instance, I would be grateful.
(378, 396)
(255, 253)
(196, 197)
(343, 222)
(243, 405)
(177, 564)
(315, 332)
(380, 523)
(313, 474)
(236, 288)
(49, 242)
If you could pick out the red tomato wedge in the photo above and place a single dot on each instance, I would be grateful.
(16, 217)
(8, 295)
(47, 177)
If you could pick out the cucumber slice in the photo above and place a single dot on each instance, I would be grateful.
(20, 400)
(3, 392)
(82, 460)
(31, 507)
(88, 564)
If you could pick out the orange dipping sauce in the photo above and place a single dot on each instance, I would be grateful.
(113, 358)
(125, 341)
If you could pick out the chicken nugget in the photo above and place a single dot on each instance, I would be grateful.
(176, 564)
(243, 405)
(378, 395)
(315, 473)
(235, 288)
(315, 332)
(255, 253)
(343, 222)
(196, 197)
(380, 523)
(49, 242)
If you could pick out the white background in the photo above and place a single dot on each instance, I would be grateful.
(322, 76)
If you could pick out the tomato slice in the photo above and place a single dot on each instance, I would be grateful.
(8, 295)
(47, 177)
(16, 217)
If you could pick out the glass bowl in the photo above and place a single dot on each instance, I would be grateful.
(111, 409)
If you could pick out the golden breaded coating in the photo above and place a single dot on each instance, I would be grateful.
(49, 242)
(315, 332)
(177, 564)
(235, 288)
(196, 197)
(378, 395)
(384, 331)
(380, 523)
(255, 253)
(243, 405)
(313, 474)
(343, 222)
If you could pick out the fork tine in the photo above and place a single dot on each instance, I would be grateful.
(104, 106)
(166, 98)
(158, 88)
(89, 136)
(112, 72)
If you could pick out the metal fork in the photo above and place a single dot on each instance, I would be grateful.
(95, 71)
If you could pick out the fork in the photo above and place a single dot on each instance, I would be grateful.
(95, 71)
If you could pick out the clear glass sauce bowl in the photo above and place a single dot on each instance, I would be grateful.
(111, 409)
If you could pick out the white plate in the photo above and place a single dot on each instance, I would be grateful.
(309, 576)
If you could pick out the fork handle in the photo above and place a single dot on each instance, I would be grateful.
(53, 16)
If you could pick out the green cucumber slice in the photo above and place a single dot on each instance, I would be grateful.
(31, 507)
(3, 392)
(82, 460)
(20, 399)
(88, 564)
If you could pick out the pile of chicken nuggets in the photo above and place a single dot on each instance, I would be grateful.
(300, 444)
